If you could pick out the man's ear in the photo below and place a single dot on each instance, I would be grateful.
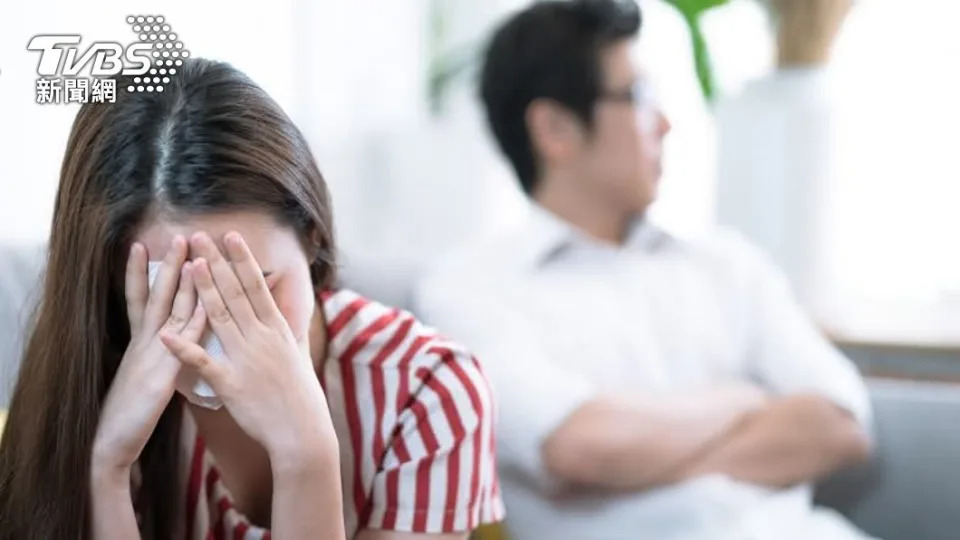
(554, 131)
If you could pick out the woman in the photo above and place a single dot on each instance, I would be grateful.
(200, 210)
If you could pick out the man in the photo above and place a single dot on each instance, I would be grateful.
(649, 386)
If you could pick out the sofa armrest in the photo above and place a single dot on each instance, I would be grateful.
(911, 488)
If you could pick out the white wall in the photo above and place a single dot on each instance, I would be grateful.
(898, 117)
(848, 176)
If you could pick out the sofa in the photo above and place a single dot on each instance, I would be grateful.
(909, 491)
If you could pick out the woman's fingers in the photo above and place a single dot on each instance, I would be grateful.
(184, 302)
(193, 331)
(219, 316)
(165, 285)
(251, 278)
(226, 281)
(192, 355)
(136, 288)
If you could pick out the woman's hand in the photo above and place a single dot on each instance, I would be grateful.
(267, 381)
(145, 381)
(269, 386)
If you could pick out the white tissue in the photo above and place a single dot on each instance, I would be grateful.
(189, 382)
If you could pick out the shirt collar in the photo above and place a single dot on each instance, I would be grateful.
(546, 235)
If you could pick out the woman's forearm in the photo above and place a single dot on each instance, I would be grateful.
(112, 515)
(307, 495)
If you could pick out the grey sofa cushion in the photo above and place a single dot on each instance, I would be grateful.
(911, 489)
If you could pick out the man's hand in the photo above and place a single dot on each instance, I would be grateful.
(796, 439)
(637, 443)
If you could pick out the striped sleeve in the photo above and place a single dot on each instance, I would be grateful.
(438, 472)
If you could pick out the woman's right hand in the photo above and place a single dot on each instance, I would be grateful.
(268, 381)
(146, 378)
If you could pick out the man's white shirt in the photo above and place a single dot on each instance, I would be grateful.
(557, 317)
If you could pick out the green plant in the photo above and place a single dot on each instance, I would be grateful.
(444, 66)
(692, 10)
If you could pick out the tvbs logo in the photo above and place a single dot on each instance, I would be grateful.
(60, 55)
(152, 60)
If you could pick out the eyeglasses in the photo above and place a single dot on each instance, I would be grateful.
(640, 94)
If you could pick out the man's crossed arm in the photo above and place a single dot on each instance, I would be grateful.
(630, 444)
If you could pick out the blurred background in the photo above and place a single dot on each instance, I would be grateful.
(828, 138)
(843, 170)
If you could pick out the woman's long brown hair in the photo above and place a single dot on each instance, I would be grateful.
(212, 141)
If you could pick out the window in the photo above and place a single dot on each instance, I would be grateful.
(898, 172)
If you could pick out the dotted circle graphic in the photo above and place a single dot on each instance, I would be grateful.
(165, 48)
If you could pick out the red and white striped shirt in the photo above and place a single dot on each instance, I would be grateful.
(414, 417)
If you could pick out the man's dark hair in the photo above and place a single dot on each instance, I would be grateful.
(549, 50)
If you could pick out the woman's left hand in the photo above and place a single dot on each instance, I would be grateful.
(267, 382)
